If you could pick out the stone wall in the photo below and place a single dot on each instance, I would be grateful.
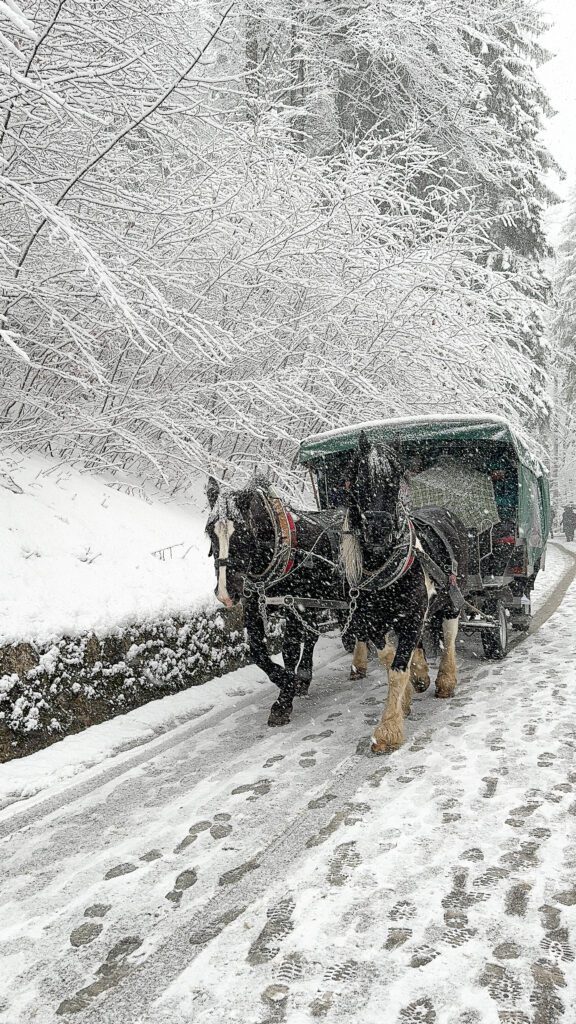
(49, 692)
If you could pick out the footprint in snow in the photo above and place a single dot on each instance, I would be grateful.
(423, 956)
(342, 863)
(307, 759)
(350, 814)
(293, 967)
(257, 789)
(556, 944)
(275, 759)
(490, 789)
(85, 933)
(457, 932)
(212, 930)
(504, 988)
(184, 881)
(516, 900)
(279, 924)
(193, 833)
(236, 874)
(109, 974)
(97, 910)
(345, 970)
(420, 1012)
(397, 937)
(220, 830)
(120, 869)
(507, 951)
(548, 1006)
(473, 854)
(402, 910)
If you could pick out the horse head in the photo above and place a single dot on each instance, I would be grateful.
(240, 535)
(375, 476)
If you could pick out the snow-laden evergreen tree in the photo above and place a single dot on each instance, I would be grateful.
(511, 201)
(563, 334)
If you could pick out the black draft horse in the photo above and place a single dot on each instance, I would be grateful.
(393, 561)
(262, 548)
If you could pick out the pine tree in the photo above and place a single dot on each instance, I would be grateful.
(511, 204)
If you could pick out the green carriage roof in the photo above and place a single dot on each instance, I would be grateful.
(425, 428)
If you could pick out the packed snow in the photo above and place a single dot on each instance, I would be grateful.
(78, 554)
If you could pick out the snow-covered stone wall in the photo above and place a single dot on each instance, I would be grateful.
(49, 692)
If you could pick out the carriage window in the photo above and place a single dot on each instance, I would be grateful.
(331, 475)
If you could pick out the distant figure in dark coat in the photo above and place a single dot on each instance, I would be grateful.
(569, 521)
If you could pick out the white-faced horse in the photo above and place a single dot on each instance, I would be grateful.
(268, 555)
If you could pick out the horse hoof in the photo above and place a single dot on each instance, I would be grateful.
(302, 687)
(357, 673)
(442, 695)
(385, 746)
(379, 748)
(278, 717)
(420, 685)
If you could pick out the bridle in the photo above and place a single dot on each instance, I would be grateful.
(400, 560)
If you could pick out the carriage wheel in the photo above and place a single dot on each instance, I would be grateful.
(495, 641)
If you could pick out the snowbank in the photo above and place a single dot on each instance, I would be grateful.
(77, 555)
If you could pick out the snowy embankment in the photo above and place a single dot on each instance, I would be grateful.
(106, 602)
(78, 555)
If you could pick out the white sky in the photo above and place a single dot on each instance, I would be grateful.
(558, 77)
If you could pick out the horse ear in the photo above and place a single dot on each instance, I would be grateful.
(243, 501)
(363, 443)
(212, 491)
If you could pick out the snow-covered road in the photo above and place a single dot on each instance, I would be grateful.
(228, 872)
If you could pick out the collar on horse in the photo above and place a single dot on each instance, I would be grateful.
(285, 539)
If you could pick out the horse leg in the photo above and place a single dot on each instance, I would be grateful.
(419, 674)
(359, 664)
(446, 678)
(285, 681)
(291, 644)
(389, 733)
(304, 670)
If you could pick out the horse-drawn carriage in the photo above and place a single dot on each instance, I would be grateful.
(483, 471)
(420, 522)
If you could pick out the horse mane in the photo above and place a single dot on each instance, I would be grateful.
(229, 502)
(380, 463)
(350, 554)
(258, 482)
